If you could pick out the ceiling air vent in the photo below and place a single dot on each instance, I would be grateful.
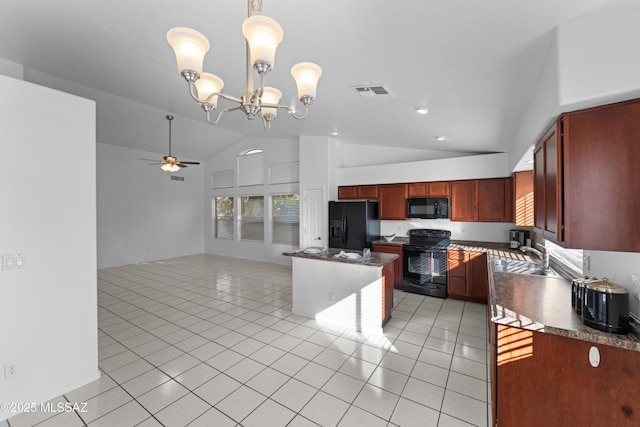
(372, 91)
(177, 178)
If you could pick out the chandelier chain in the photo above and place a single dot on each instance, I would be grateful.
(256, 7)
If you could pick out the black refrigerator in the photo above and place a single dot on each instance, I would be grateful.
(353, 225)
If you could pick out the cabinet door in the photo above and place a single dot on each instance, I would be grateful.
(347, 192)
(551, 183)
(601, 155)
(539, 196)
(418, 189)
(392, 202)
(548, 184)
(464, 205)
(523, 203)
(541, 373)
(397, 263)
(478, 279)
(492, 202)
(367, 192)
(439, 189)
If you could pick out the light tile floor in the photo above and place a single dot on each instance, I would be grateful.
(205, 340)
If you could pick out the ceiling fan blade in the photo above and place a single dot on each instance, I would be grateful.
(188, 163)
(181, 165)
(150, 160)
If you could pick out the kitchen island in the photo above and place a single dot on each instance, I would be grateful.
(351, 293)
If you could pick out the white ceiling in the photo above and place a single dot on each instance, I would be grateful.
(472, 62)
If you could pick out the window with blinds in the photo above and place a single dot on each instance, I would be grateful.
(252, 218)
(223, 217)
(285, 219)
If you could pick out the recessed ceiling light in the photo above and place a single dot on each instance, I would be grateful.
(440, 138)
(334, 133)
(421, 110)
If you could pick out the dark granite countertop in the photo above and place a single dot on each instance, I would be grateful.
(543, 304)
(377, 259)
(397, 241)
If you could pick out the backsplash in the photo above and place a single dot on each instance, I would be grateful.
(477, 231)
(619, 268)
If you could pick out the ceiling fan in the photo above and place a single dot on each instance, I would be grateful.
(170, 163)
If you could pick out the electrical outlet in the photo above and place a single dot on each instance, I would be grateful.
(10, 370)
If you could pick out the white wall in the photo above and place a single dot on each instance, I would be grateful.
(598, 58)
(48, 311)
(142, 214)
(469, 167)
(353, 155)
(276, 151)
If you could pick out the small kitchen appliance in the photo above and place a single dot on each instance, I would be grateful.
(425, 262)
(428, 208)
(518, 238)
(577, 290)
(605, 306)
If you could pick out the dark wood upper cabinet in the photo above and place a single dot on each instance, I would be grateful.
(482, 200)
(523, 202)
(464, 201)
(347, 192)
(495, 200)
(392, 201)
(429, 189)
(369, 192)
(601, 178)
(587, 183)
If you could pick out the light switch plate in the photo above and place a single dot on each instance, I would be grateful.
(14, 262)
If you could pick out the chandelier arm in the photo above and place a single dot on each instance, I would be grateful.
(229, 108)
(290, 111)
(194, 95)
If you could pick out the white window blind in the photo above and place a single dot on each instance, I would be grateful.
(251, 169)
(284, 173)
(222, 179)
(285, 219)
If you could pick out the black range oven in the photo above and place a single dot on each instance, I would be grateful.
(425, 262)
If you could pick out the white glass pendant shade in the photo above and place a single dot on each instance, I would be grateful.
(190, 46)
(166, 167)
(263, 35)
(270, 95)
(306, 75)
(207, 84)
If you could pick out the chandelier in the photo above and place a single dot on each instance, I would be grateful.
(262, 35)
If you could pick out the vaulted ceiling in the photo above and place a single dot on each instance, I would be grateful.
(473, 63)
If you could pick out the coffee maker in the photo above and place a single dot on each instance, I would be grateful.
(518, 238)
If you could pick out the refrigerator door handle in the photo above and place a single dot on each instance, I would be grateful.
(344, 230)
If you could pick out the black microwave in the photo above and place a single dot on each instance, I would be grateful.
(428, 208)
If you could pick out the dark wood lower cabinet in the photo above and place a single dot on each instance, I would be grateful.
(397, 263)
(547, 380)
(468, 277)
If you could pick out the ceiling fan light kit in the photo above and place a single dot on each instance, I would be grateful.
(170, 163)
(262, 34)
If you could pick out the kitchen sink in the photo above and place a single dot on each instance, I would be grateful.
(520, 267)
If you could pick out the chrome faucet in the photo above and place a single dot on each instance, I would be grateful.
(543, 255)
